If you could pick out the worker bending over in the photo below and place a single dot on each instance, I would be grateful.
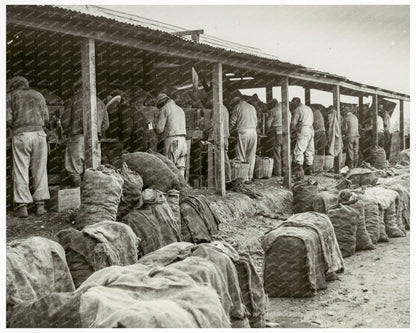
(172, 125)
(351, 136)
(302, 125)
(243, 119)
(27, 116)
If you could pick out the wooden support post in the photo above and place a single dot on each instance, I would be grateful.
(374, 117)
(218, 128)
(402, 135)
(195, 80)
(337, 105)
(89, 103)
(286, 167)
(307, 96)
(269, 93)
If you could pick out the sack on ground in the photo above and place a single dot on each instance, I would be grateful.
(299, 254)
(35, 267)
(170, 165)
(237, 312)
(371, 214)
(199, 221)
(378, 157)
(97, 246)
(132, 189)
(100, 196)
(361, 176)
(363, 239)
(252, 290)
(114, 307)
(155, 225)
(322, 201)
(344, 220)
(155, 173)
(303, 195)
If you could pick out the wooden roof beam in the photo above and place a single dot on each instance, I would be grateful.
(191, 54)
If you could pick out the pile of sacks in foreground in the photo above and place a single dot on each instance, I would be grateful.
(180, 285)
(139, 256)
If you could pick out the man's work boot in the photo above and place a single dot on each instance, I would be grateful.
(76, 180)
(22, 211)
(308, 170)
(40, 208)
(298, 172)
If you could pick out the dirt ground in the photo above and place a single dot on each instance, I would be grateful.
(374, 290)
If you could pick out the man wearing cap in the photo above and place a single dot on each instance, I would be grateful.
(73, 128)
(351, 134)
(172, 125)
(380, 130)
(275, 129)
(27, 116)
(243, 119)
(386, 125)
(302, 125)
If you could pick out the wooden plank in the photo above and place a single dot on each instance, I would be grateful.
(218, 117)
(195, 80)
(402, 135)
(198, 55)
(89, 104)
(337, 105)
(286, 167)
(211, 166)
(188, 159)
(188, 32)
(374, 117)
(307, 96)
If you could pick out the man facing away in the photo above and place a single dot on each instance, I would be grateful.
(302, 124)
(275, 128)
(351, 134)
(243, 120)
(27, 115)
(73, 127)
(172, 125)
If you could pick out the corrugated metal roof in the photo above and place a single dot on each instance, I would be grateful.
(165, 27)
(162, 31)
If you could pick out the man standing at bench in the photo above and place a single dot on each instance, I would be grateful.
(243, 119)
(302, 124)
(172, 125)
(27, 116)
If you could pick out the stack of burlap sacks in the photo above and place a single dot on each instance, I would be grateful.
(125, 263)
(358, 218)
(182, 285)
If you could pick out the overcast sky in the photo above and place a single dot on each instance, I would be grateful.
(368, 44)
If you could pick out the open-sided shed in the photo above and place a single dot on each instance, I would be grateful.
(52, 45)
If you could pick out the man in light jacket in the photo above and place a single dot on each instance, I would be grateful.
(302, 124)
(243, 120)
(27, 116)
(351, 134)
(172, 125)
